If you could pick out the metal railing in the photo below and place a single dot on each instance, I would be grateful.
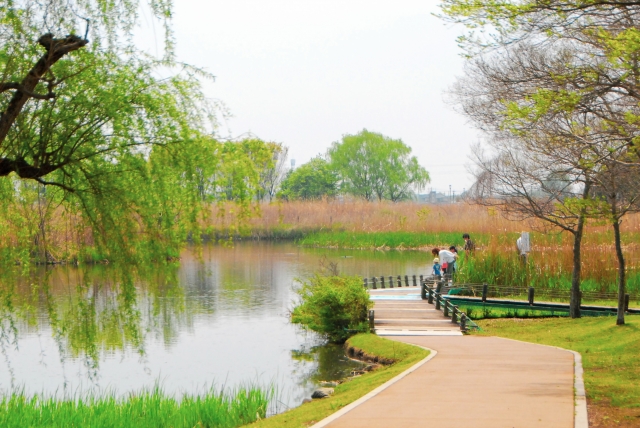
(435, 297)
(393, 281)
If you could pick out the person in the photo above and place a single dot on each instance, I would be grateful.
(454, 251)
(436, 267)
(446, 257)
(522, 251)
(469, 245)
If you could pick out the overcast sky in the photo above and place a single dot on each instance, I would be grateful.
(304, 73)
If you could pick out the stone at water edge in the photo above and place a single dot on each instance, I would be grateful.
(322, 393)
(329, 383)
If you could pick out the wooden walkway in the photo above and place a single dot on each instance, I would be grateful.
(401, 312)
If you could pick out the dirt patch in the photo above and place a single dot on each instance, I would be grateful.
(604, 415)
(359, 354)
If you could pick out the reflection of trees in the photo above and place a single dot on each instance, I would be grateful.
(95, 310)
(331, 363)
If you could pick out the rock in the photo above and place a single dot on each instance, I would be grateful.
(322, 393)
(306, 400)
(329, 383)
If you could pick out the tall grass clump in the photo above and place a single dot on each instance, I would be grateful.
(149, 409)
(334, 306)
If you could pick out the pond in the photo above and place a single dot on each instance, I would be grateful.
(219, 317)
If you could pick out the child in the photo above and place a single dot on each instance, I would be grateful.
(454, 250)
(436, 267)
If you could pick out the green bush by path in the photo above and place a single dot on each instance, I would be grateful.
(348, 392)
(334, 306)
(609, 355)
(152, 409)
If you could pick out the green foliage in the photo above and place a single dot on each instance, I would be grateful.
(393, 240)
(114, 148)
(334, 306)
(147, 409)
(313, 180)
(371, 165)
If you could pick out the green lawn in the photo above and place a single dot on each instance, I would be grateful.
(346, 393)
(610, 358)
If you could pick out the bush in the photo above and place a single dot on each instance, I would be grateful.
(334, 306)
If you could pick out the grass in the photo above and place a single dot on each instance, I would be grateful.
(148, 409)
(609, 358)
(381, 240)
(309, 413)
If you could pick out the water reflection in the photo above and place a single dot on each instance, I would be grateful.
(220, 316)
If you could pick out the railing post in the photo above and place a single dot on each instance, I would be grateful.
(375, 281)
(390, 281)
(423, 290)
(372, 323)
(399, 281)
(382, 282)
(446, 308)
(439, 286)
(421, 279)
(406, 280)
(531, 295)
(463, 322)
(430, 291)
(626, 303)
(485, 291)
(454, 315)
(437, 300)
(366, 283)
(414, 281)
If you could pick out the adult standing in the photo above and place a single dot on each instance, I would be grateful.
(469, 245)
(447, 257)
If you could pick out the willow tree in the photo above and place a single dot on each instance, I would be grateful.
(87, 121)
(373, 166)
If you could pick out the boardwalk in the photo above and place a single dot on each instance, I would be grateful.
(472, 381)
(400, 311)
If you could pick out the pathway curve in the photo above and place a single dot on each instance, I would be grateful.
(473, 381)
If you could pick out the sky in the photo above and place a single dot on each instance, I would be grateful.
(304, 73)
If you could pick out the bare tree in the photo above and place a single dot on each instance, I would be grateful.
(271, 177)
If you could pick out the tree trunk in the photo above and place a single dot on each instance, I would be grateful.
(574, 303)
(621, 272)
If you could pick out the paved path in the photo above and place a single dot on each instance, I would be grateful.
(475, 382)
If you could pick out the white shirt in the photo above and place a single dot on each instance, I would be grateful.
(446, 256)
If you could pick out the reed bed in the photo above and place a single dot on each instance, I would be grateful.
(148, 409)
(374, 225)
(407, 225)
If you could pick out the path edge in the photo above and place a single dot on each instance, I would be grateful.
(346, 409)
(580, 415)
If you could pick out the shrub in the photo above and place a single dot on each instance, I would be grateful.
(334, 306)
